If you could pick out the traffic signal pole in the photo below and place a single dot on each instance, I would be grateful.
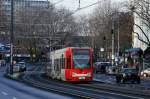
(113, 41)
(11, 36)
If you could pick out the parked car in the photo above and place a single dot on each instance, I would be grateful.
(22, 67)
(128, 74)
(111, 70)
(101, 66)
(16, 68)
(2, 63)
(145, 72)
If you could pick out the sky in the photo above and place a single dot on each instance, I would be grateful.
(74, 5)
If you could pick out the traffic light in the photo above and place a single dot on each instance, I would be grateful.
(112, 31)
(104, 38)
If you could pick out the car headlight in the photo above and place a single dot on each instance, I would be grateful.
(141, 73)
(124, 74)
(129, 74)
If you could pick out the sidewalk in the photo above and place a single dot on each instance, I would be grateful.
(146, 78)
(13, 76)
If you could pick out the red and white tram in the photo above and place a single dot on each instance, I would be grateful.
(71, 64)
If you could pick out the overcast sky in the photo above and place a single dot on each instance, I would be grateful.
(74, 4)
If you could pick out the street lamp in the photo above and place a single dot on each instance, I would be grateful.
(115, 15)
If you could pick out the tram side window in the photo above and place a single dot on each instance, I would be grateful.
(55, 64)
(59, 65)
(69, 62)
(62, 62)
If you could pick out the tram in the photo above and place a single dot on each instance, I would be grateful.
(70, 64)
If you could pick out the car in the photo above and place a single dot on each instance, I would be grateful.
(16, 68)
(22, 67)
(111, 69)
(101, 66)
(128, 74)
(145, 72)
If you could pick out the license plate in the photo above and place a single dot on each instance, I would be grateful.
(81, 77)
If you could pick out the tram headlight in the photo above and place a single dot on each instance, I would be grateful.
(73, 74)
(88, 74)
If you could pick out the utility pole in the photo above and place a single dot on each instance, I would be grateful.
(118, 36)
(11, 36)
(79, 4)
(113, 41)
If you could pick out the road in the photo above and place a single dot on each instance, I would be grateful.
(10, 89)
(145, 83)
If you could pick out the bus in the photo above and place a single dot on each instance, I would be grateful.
(70, 64)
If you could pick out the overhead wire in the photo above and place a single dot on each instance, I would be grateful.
(58, 2)
(78, 9)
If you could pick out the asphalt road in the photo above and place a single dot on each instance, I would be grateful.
(10, 89)
(145, 83)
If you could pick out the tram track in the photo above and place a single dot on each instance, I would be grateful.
(57, 89)
(78, 90)
(117, 90)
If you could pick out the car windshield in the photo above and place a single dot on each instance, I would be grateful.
(105, 64)
(102, 64)
(17, 65)
(81, 58)
(21, 64)
(130, 71)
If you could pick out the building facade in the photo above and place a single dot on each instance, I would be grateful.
(19, 5)
(140, 26)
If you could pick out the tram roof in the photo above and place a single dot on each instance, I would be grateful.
(71, 48)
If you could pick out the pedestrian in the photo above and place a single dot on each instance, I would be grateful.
(137, 66)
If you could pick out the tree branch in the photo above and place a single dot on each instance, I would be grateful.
(148, 44)
(143, 33)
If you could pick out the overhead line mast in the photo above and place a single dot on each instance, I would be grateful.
(79, 4)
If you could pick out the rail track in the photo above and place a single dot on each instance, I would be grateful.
(78, 90)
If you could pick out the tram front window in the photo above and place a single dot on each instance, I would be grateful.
(81, 59)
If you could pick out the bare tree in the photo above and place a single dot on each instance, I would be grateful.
(99, 25)
(141, 10)
(44, 27)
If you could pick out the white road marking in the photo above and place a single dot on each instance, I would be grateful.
(14, 98)
(4, 93)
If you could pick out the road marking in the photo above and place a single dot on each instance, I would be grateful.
(14, 98)
(119, 94)
(4, 93)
